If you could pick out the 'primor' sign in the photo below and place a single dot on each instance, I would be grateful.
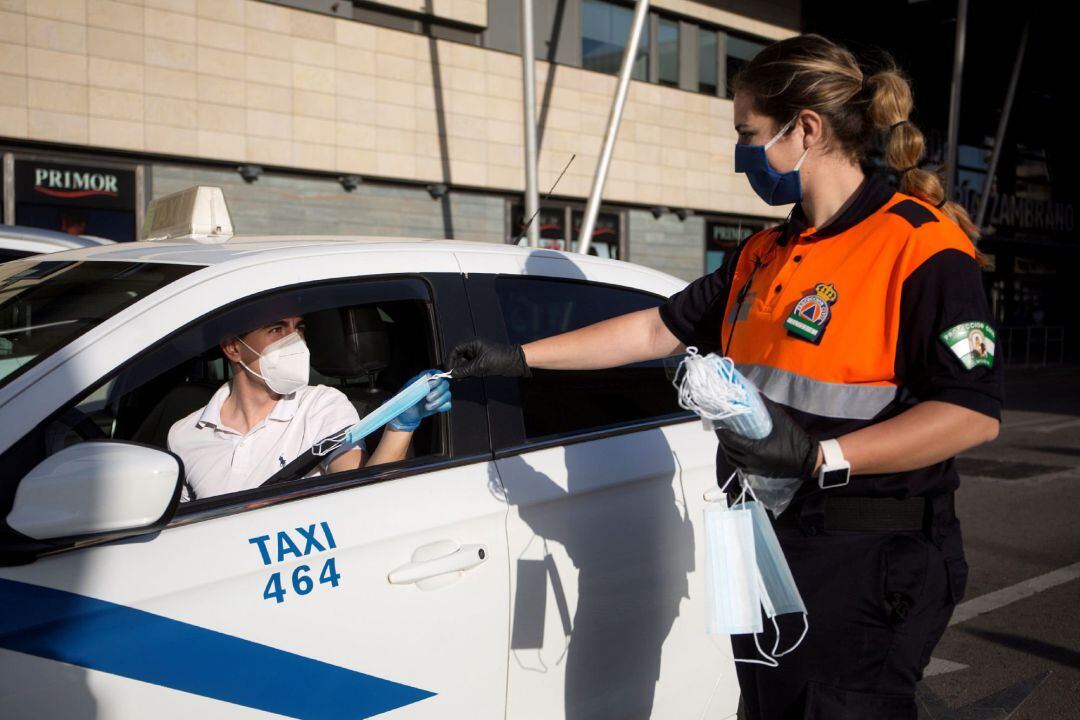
(74, 183)
(59, 183)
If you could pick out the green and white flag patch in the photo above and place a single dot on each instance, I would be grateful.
(972, 343)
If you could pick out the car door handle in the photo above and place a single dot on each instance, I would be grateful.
(457, 561)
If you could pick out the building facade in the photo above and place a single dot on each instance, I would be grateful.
(396, 117)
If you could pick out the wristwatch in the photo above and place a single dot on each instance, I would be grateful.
(835, 470)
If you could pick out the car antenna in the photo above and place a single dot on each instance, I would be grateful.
(525, 227)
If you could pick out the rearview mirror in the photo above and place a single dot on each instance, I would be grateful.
(101, 488)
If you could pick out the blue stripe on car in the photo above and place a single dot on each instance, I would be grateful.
(135, 644)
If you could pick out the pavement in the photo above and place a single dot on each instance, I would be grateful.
(1013, 649)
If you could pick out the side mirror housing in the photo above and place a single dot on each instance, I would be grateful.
(100, 489)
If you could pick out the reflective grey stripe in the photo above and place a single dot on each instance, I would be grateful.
(829, 399)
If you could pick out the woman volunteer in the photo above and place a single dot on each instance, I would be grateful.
(863, 320)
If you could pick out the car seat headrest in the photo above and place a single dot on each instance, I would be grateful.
(347, 342)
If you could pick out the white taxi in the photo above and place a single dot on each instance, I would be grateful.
(538, 554)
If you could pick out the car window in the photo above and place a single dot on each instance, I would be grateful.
(46, 304)
(8, 254)
(366, 340)
(556, 403)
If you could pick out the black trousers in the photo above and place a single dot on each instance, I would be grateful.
(877, 602)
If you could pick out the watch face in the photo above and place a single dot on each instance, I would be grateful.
(834, 478)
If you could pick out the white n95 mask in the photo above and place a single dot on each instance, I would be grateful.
(285, 364)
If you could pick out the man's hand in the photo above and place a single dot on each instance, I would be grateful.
(436, 401)
(786, 452)
(479, 358)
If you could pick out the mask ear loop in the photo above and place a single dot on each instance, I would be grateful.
(804, 153)
(806, 627)
(723, 488)
(806, 622)
(746, 488)
(780, 134)
(768, 660)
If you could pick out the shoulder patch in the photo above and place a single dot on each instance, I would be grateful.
(913, 212)
(972, 343)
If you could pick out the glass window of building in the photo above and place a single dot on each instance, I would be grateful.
(739, 52)
(553, 235)
(605, 237)
(723, 236)
(604, 30)
(708, 63)
(552, 222)
(667, 44)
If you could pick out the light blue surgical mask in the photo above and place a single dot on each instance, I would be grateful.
(408, 396)
(732, 593)
(779, 594)
(775, 188)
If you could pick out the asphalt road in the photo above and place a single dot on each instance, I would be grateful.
(1014, 648)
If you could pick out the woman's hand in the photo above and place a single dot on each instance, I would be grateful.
(786, 452)
(480, 358)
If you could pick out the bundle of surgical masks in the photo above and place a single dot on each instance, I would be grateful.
(746, 572)
(713, 388)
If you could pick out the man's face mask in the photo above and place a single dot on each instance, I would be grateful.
(775, 188)
(285, 364)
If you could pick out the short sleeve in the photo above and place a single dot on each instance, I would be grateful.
(331, 413)
(946, 349)
(174, 445)
(695, 314)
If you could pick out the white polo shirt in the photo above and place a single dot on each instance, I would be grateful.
(218, 459)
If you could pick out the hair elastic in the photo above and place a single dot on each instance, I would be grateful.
(898, 123)
(942, 203)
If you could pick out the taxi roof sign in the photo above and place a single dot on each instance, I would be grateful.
(198, 213)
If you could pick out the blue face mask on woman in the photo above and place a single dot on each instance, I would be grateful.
(775, 188)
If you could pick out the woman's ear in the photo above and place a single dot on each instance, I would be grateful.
(812, 127)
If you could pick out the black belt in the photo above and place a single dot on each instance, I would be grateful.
(873, 514)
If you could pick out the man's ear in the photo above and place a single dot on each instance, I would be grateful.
(230, 348)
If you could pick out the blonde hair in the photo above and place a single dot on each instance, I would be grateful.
(810, 72)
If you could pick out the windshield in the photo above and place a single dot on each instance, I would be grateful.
(45, 304)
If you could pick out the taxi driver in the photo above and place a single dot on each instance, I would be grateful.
(267, 414)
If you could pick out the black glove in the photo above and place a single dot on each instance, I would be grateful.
(786, 452)
(479, 358)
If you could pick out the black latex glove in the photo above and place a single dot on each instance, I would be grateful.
(479, 358)
(786, 452)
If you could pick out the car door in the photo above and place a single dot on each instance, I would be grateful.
(383, 590)
(605, 545)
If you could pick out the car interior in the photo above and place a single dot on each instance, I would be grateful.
(366, 351)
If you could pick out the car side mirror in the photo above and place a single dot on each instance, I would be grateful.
(97, 489)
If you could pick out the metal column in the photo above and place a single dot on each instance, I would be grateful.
(528, 78)
(954, 98)
(1003, 123)
(641, 13)
(9, 190)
